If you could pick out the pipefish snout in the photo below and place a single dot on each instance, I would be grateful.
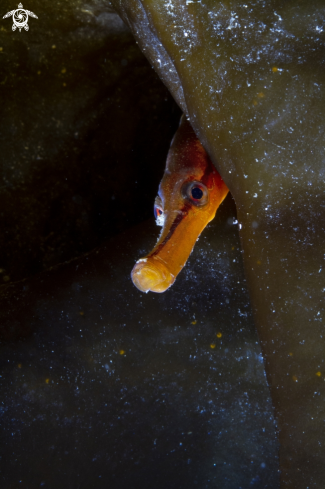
(189, 195)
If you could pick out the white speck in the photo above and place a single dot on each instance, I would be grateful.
(232, 23)
(255, 195)
(142, 259)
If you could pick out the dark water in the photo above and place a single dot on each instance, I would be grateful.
(85, 128)
(115, 388)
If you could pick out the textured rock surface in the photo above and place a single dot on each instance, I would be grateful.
(251, 79)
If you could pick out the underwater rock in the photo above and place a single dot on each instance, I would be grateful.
(115, 388)
(250, 77)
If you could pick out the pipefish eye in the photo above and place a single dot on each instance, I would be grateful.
(157, 211)
(196, 192)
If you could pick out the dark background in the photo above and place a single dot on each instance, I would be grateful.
(85, 128)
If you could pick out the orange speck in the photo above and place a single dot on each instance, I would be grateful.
(213, 345)
(294, 378)
(38, 72)
(319, 374)
(64, 70)
(122, 352)
(219, 335)
(47, 381)
(254, 102)
(260, 95)
(232, 248)
(274, 69)
(64, 84)
(19, 365)
(81, 313)
(54, 46)
(194, 322)
(259, 262)
(290, 353)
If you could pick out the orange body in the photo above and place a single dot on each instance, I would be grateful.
(189, 195)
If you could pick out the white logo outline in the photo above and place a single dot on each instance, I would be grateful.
(20, 18)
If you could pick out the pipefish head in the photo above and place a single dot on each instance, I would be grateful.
(189, 194)
(183, 213)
